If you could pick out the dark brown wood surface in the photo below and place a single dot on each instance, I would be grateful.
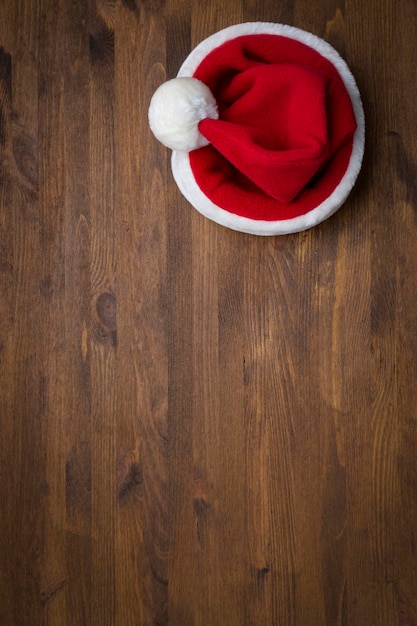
(199, 427)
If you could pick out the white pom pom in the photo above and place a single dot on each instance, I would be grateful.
(176, 109)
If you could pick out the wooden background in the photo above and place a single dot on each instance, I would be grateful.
(199, 427)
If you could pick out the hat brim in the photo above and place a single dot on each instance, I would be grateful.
(181, 166)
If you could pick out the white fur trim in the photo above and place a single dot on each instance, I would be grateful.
(181, 168)
(175, 110)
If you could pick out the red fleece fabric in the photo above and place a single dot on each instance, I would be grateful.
(285, 130)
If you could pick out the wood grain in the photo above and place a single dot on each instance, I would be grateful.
(199, 427)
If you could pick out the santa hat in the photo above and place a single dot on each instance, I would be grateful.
(266, 126)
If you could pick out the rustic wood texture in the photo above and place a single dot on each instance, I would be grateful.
(199, 427)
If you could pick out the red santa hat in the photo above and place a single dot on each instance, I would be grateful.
(266, 126)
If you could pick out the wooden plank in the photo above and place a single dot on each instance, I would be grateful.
(130, 409)
(144, 505)
(23, 334)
